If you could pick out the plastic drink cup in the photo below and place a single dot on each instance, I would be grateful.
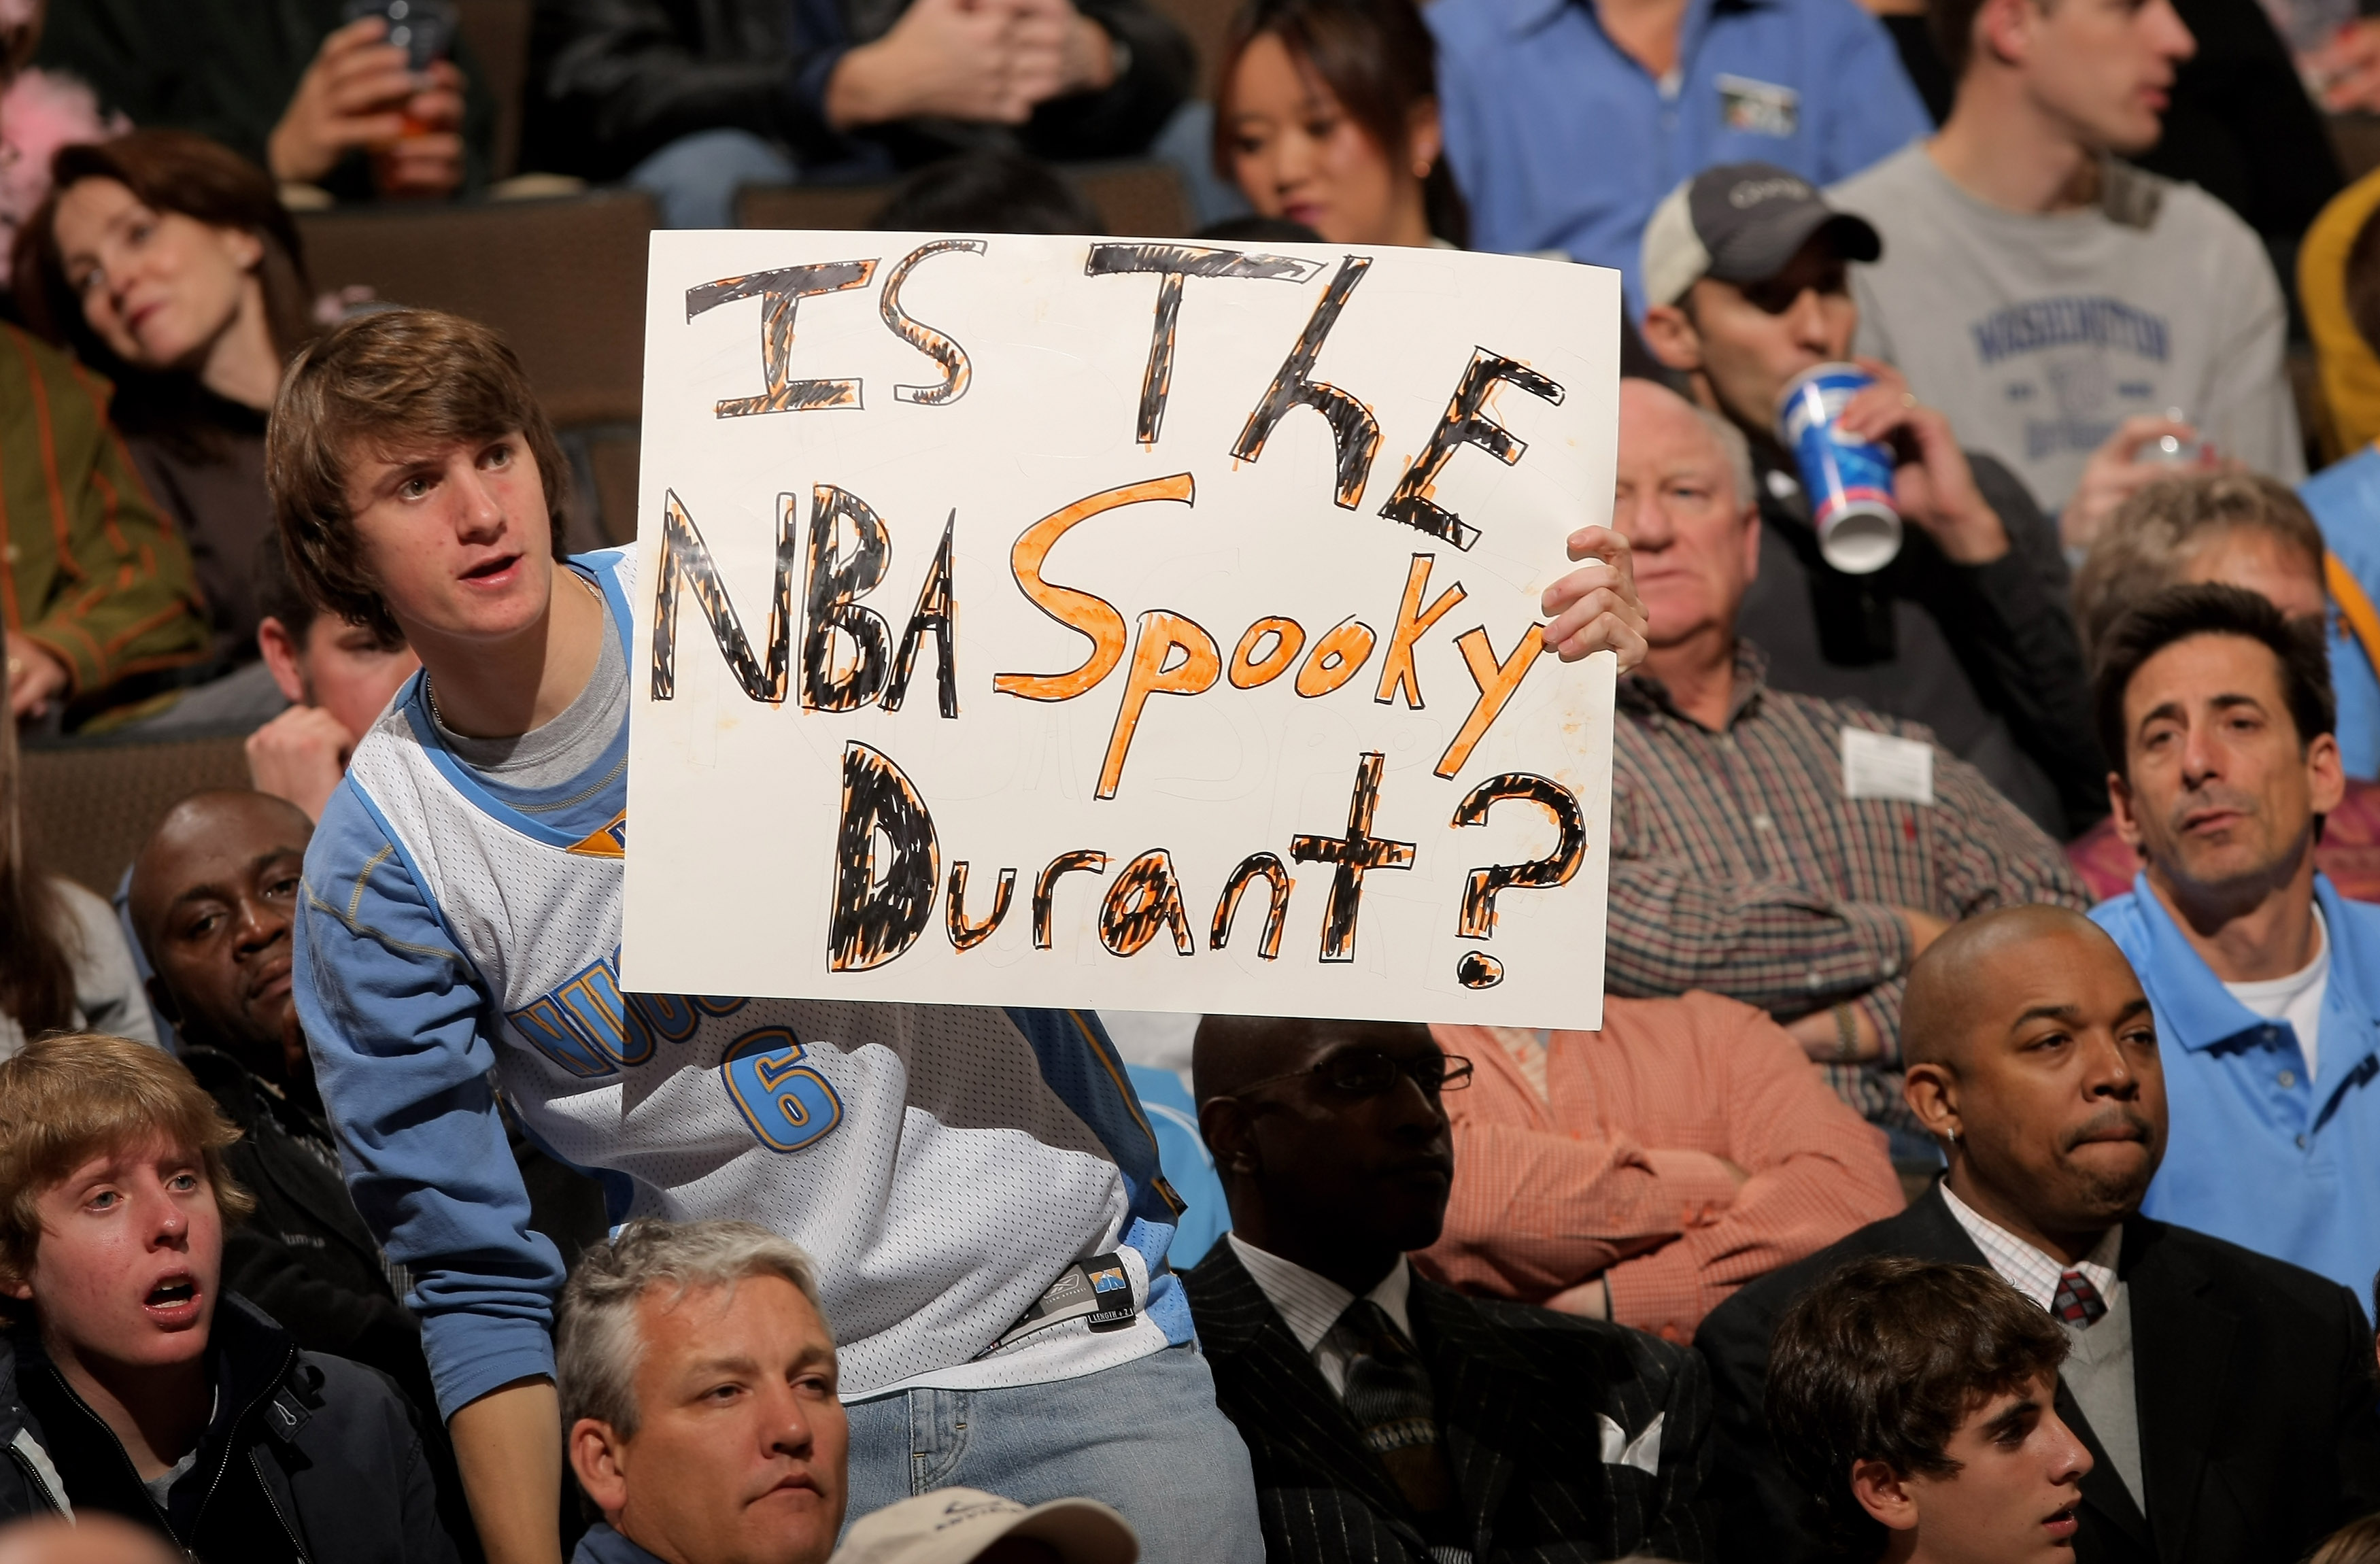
(1849, 481)
(2171, 450)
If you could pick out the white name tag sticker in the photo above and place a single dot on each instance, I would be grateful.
(1880, 766)
(1760, 108)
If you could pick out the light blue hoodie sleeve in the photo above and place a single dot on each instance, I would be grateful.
(392, 1012)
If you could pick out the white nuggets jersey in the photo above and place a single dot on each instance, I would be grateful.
(943, 1166)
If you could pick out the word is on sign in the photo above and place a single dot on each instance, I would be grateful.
(1118, 624)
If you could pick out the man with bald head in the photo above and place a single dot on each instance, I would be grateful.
(1792, 852)
(212, 899)
(2227, 1398)
(1390, 1419)
(210, 903)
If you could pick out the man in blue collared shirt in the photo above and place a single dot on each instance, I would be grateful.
(1567, 124)
(2265, 980)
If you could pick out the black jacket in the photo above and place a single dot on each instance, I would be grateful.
(1984, 655)
(612, 81)
(309, 1459)
(227, 69)
(1519, 1390)
(305, 1257)
(2255, 1400)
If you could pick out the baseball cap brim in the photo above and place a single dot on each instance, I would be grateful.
(1084, 1531)
(1759, 250)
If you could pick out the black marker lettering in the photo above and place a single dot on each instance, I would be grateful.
(1479, 918)
(1354, 432)
(965, 935)
(1463, 424)
(780, 292)
(837, 582)
(879, 909)
(1255, 865)
(1397, 671)
(933, 618)
(1358, 851)
(1173, 262)
(941, 349)
(1044, 885)
(1145, 898)
(686, 565)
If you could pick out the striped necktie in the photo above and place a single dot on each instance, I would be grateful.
(2077, 1302)
(1388, 1397)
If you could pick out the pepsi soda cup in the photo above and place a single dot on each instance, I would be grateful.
(1849, 481)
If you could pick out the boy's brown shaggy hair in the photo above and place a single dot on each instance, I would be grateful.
(389, 384)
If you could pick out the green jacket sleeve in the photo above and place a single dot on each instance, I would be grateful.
(95, 573)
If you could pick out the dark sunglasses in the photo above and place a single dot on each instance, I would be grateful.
(1774, 295)
(1369, 1073)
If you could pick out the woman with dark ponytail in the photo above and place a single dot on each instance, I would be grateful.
(1329, 117)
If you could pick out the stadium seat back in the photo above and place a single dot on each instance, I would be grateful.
(562, 280)
(1208, 23)
(91, 803)
(1131, 198)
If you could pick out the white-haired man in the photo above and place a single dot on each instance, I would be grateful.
(696, 1376)
(1792, 852)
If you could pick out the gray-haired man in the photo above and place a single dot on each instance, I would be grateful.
(696, 1374)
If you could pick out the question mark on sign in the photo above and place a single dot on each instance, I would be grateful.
(1477, 969)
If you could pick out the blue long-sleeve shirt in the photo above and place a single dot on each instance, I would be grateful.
(1560, 141)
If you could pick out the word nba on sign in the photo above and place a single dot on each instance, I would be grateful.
(1112, 623)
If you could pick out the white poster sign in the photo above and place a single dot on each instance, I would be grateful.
(1155, 626)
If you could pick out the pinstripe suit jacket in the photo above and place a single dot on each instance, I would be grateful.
(1519, 1390)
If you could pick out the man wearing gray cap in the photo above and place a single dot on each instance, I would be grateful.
(1966, 630)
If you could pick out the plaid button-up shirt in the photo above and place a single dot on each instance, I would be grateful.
(1738, 866)
(2032, 1272)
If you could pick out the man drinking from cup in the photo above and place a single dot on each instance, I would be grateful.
(1965, 628)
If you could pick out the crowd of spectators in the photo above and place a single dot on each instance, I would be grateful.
(1981, 1164)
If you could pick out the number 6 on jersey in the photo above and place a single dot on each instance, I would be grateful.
(787, 1103)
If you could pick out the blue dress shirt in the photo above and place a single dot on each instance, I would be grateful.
(2260, 1154)
(1561, 142)
(2345, 500)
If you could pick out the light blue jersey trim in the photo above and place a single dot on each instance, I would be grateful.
(1082, 1066)
(603, 569)
(413, 871)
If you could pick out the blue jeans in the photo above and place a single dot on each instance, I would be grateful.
(694, 177)
(1145, 1436)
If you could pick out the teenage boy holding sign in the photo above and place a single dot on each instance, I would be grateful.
(978, 1185)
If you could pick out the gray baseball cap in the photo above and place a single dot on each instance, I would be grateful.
(1740, 223)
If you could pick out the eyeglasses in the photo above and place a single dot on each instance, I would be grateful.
(1359, 1073)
